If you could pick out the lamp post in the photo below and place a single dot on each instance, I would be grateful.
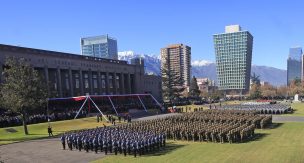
(48, 114)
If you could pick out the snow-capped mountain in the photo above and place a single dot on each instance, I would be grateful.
(201, 63)
(152, 62)
(207, 69)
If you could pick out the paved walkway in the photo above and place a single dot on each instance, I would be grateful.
(44, 151)
(278, 118)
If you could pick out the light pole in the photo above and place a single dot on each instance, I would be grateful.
(48, 114)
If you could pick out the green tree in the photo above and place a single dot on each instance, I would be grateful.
(255, 91)
(172, 83)
(255, 79)
(22, 88)
(194, 91)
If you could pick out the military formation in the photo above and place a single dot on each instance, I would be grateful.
(142, 137)
(117, 139)
(209, 125)
(260, 108)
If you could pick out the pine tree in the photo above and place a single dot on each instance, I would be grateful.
(172, 83)
(194, 91)
(22, 88)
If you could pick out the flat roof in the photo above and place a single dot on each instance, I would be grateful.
(55, 53)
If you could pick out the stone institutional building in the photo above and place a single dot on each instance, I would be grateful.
(233, 50)
(294, 64)
(177, 58)
(99, 46)
(71, 75)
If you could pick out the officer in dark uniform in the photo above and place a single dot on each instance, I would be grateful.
(95, 144)
(123, 147)
(63, 141)
(105, 146)
(50, 131)
(69, 141)
(110, 145)
(79, 143)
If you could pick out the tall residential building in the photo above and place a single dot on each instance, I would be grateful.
(233, 52)
(99, 46)
(176, 58)
(294, 64)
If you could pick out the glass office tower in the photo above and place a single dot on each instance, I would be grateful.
(99, 46)
(233, 50)
(294, 64)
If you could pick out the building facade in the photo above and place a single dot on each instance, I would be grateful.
(152, 85)
(206, 85)
(71, 75)
(294, 64)
(176, 58)
(99, 46)
(233, 51)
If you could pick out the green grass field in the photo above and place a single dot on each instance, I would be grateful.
(40, 130)
(283, 144)
(299, 109)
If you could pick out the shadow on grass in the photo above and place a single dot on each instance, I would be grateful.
(170, 147)
(257, 137)
(274, 125)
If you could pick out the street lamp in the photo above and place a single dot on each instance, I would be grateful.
(48, 114)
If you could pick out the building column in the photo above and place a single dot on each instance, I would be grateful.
(71, 82)
(99, 82)
(59, 82)
(122, 85)
(81, 83)
(107, 83)
(129, 83)
(1, 70)
(91, 82)
(115, 83)
(46, 74)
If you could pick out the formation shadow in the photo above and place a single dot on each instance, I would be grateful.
(274, 125)
(170, 147)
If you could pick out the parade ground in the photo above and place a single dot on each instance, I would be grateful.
(282, 142)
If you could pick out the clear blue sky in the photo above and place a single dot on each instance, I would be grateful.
(146, 26)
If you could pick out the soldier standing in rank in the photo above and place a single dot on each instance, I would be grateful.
(63, 141)
(100, 143)
(105, 146)
(134, 148)
(95, 144)
(86, 144)
(79, 143)
(114, 146)
(110, 145)
(69, 141)
(123, 147)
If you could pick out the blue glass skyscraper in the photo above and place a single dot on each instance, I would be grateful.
(294, 64)
(99, 46)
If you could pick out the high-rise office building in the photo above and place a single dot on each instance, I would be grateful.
(176, 58)
(233, 52)
(294, 64)
(99, 46)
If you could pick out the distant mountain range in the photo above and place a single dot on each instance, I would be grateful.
(207, 69)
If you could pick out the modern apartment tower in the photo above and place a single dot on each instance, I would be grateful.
(294, 64)
(99, 46)
(233, 52)
(176, 58)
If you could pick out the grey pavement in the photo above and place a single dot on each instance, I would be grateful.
(44, 151)
(280, 118)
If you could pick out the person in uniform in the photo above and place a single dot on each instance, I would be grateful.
(62, 139)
